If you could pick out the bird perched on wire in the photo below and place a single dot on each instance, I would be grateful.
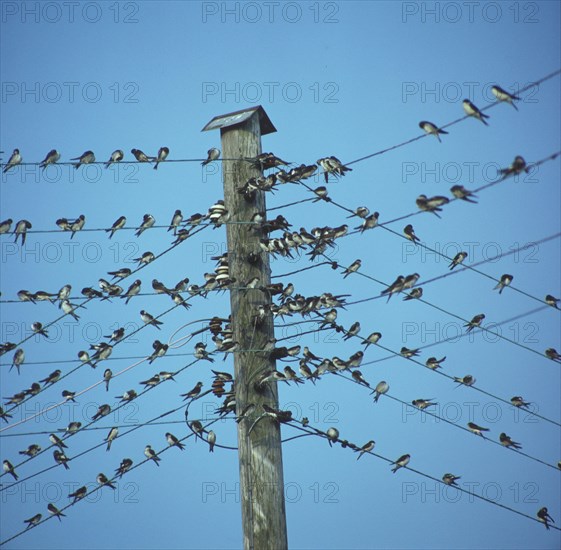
(163, 153)
(212, 154)
(431, 128)
(85, 158)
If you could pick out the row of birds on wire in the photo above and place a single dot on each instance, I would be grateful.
(88, 157)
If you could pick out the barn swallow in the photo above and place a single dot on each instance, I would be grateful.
(357, 376)
(355, 360)
(90, 292)
(159, 350)
(86, 158)
(290, 376)
(517, 166)
(431, 204)
(423, 403)
(159, 287)
(332, 436)
(42, 296)
(369, 222)
(212, 154)
(504, 281)
(8, 468)
(37, 328)
(116, 335)
(64, 293)
(165, 375)
(119, 224)
(68, 309)
(31, 451)
(5, 226)
(150, 319)
(56, 440)
(458, 259)
(14, 160)
(154, 381)
(124, 467)
(552, 301)
(146, 258)
(544, 517)
(78, 494)
(434, 363)
(69, 395)
(61, 458)
(21, 229)
(63, 224)
(410, 281)
(18, 359)
(55, 511)
(477, 430)
(518, 401)
(450, 479)
(163, 153)
(52, 157)
(460, 192)
(372, 339)
(380, 389)
(103, 410)
(151, 454)
(211, 440)
(408, 353)
(103, 480)
(140, 156)
(197, 428)
(52, 378)
(174, 442)
(72, 428)
(467, 380)
(192, 394)
(475, 322)
(107, 375)
(503, 95)
(31, 522)
(147, 221)
(129, 395)
(353, 268)
(306, 372)
(360, 212)
(401, 462)
(321, 194)
(551, 353)
(4, 415)
(415, 294)
(409, 233)
(366, 448)
(84, 356)
(34, 389)
(471, 110)
(201, 353)
(16, 399)
(353, 331)
(508, 442)
(133, 290)
(431, 128)
(116, 156)
(395, 287)
(332, 165)
(176, 220)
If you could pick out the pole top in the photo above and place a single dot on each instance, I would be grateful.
(237, 117)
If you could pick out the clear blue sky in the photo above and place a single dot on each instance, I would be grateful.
(336, 78)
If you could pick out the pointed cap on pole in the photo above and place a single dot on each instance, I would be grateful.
(237, 117)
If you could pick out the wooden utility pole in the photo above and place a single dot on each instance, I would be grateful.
(260, 453)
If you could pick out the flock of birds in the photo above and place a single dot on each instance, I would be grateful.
(323, 307)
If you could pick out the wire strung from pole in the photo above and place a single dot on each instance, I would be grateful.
(121, 405)
(141, 360)
(87, 300)
(355, 448)
(114, 478)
